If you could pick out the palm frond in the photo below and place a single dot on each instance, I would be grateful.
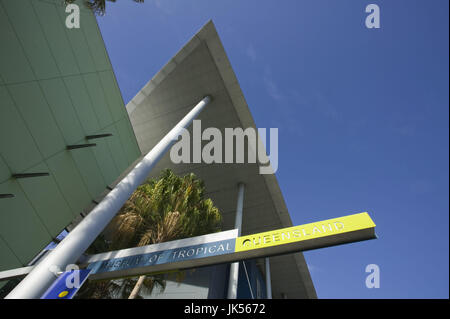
(164, 209)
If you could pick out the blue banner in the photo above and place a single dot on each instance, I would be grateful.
(67, 284)
(166, 256)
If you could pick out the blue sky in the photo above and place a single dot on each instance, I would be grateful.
(362, 114)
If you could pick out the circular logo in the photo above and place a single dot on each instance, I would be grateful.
(62, 294)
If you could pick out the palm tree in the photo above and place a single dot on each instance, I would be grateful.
(164, 209)
(119, 288)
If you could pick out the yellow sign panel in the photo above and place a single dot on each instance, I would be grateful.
(288, 235)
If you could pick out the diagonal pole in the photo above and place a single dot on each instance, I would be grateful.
(80, 238)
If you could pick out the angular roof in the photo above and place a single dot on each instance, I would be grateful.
(201, 67)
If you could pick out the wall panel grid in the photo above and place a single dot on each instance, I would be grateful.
(57, 86)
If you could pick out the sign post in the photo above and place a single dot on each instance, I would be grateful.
(227, 247)
(216, 248)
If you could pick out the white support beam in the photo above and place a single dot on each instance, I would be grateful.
(80, 238)
(234, 267)
(13, 273)
(268, 279)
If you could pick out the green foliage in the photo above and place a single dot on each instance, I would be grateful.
(164, 209)
(168, 208)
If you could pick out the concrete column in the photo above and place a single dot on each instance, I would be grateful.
(268, 280)
(80, 238)
(234, 267)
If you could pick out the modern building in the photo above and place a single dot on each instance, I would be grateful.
(59, 95)
(57, 87)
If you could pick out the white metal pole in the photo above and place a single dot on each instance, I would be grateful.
(80, 238)
(234, 267)
(268, 280)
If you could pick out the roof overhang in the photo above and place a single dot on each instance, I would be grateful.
(201, 67)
